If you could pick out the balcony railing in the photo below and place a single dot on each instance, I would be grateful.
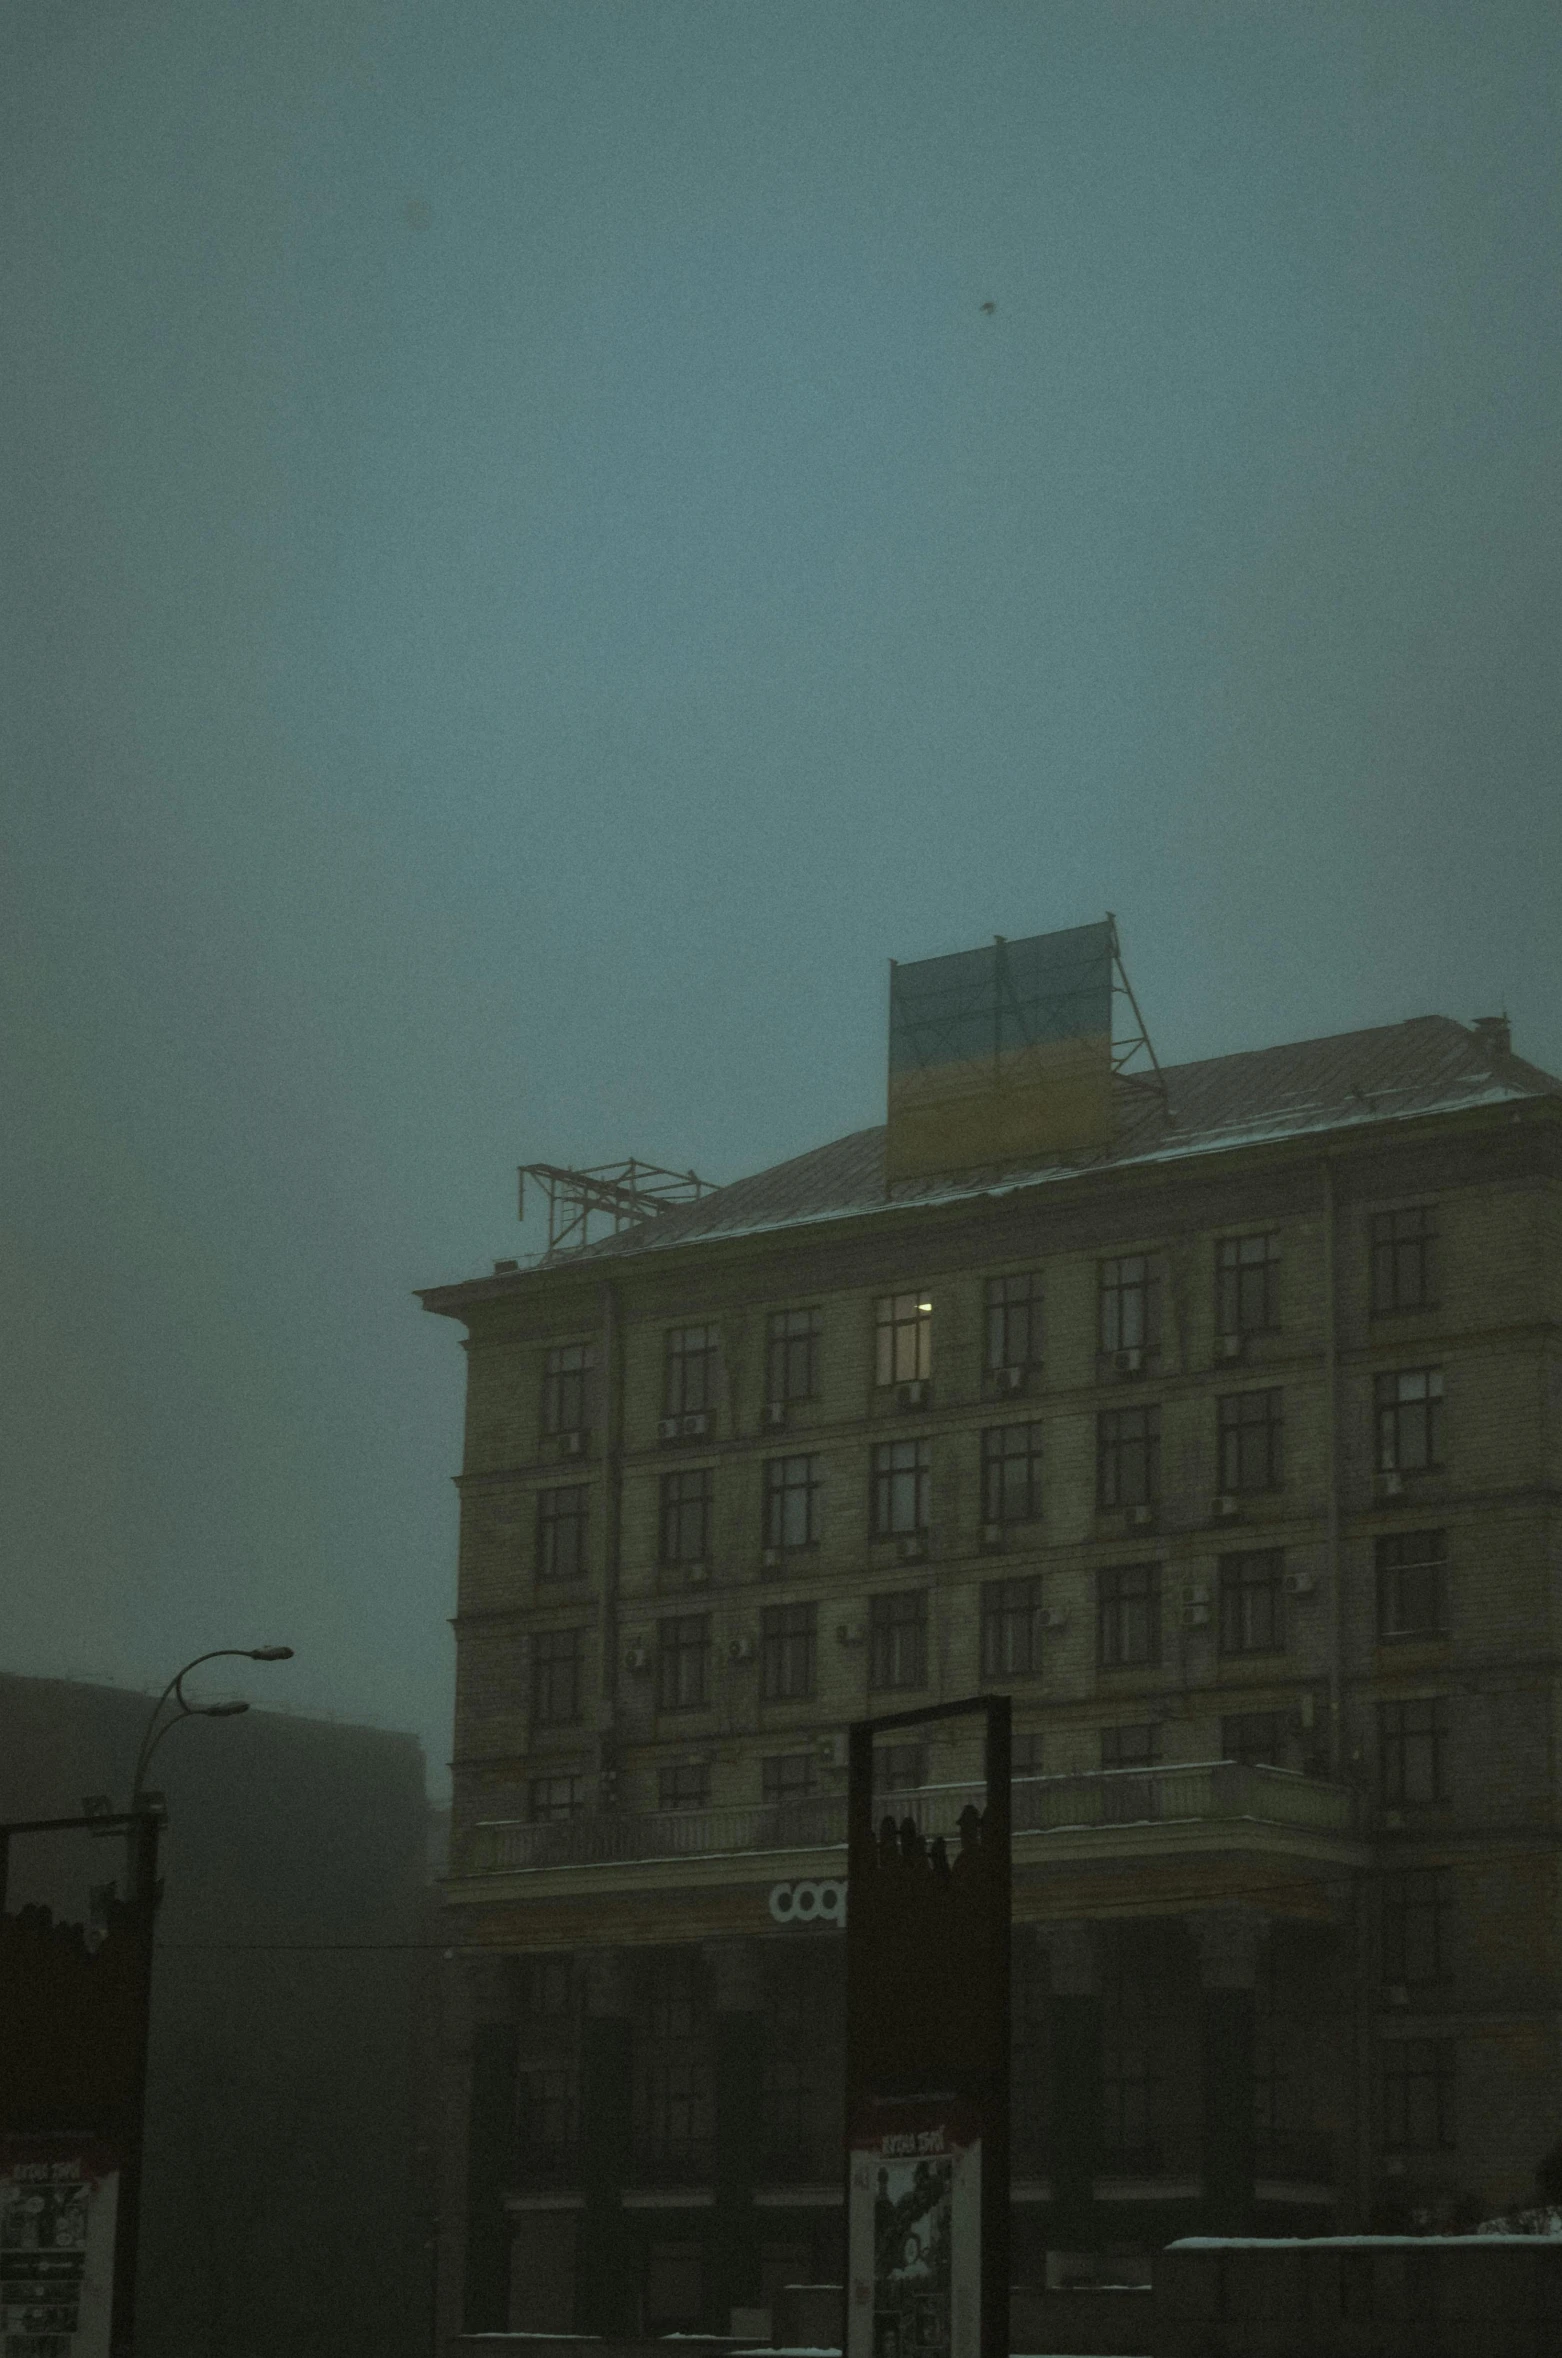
(1188, 1792)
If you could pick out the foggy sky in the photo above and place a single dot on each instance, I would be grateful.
(529, 572)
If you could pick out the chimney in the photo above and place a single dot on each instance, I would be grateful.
(1494, 1035)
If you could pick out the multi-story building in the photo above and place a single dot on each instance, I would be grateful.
(1231, 1449)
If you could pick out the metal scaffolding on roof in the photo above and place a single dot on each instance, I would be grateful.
(624, 1193)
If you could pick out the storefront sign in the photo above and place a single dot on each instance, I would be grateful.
(58, 2198)
(808, 1902)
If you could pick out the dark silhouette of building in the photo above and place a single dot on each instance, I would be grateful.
(286, 2203)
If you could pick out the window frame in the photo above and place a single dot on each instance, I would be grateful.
(1403, 2116)
(908, 1313)
(1250, 1450)
(1013, 1321)
(1011, 1627)
(1398, 1787)
(1116, 1599)
(550, 1523)
(1402, 1951)
(677, 1502)
(690, 1369)
(683, 1658)
(558, 1659)
(1239, 1583)
(548, 1813)
(1389, 1262)
(997, 1457)
(891, 1465)
(566, 1387)
(1128, 1293)
(788, 1652)
(775, 1790)
(1117, 1451)
(785, 1344)
(1243, 1751)
(1234, 1266)
(1396, 1412)
(897, 1641)
(696, 1774)
(778, 1491)
(1394, 1627)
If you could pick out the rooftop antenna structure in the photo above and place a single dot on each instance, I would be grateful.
(624, 1193)
(1130, 1036)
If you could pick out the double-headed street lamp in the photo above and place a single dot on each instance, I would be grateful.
(143, 1830)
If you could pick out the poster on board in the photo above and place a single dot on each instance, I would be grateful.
(58, 2197)
(914, 2231)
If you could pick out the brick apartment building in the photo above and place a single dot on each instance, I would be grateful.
(1230, 1446)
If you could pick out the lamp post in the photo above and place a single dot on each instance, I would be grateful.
(141, 1866)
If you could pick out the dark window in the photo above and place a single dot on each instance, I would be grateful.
(1404, 1259)
(558, 1656)
(1252, 1617)
(1259, 1739)
(561, 1532)
(1130, 1304)
(683, 1785)
(566, 1387)
(689, 1374)
(1025, 1754)
(683, 1662)
(1410, 1419)
(899, 1768)
(547, 2117)
(792, 1495)
(792, 1355)
(1413, 1584)
(1252, 1434)
(1413, 1740)
(903, 1352)
(1247, 1284)
(1416, 1907)
(897, 1640)
(1011, 1474)
(1418, 2095)
(1131, 1748)
(552, 1989)
(901, 1487)
(1130, 2092)
(787, 1644)
(673, 2091)
(1014, 1320)
(551, 1798)
(1011, 1628)
(788, 1777)
(1128, 1619)
(1128, 1457)
(687, 1503)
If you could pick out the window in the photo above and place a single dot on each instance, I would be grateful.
(904, 1346)
(1404, 1259)
(683, 1785)
(1252, 1618)
(1413, 1745)
(787, 1645)
(1130, 2092)
(1416, 1907)
(673, 2079)
(1413, 1584)
(1130, 1304)
(561, 1532)
(897, 1640)
(1410, 1419)
(557, 1660)
(1247, 1284)
(1128, 1457)
(687, 1503)
(546, 2116)
(552, 1989)
(902, 1476)
(689, 1373)
(683, 1662)
(1251, 1431)
(1014, 1320)
(792, 1495)
(1011, 1474)
(1011, 1628)
(899, 1768)
(1128, 1616)
(1418, 2095)
(789, 1777)
(792, 1355)
(1131, 1748)
(1025, 1754)
(1259, 1739)
(551, 1798)
(566, 1387)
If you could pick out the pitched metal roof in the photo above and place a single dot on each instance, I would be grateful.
(1355, 1079)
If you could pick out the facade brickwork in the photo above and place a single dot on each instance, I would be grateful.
(1429, 1750)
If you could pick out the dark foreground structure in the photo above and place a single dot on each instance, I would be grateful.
(286, 2200)
(1227, 1441)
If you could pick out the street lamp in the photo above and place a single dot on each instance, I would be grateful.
(184, 1709)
